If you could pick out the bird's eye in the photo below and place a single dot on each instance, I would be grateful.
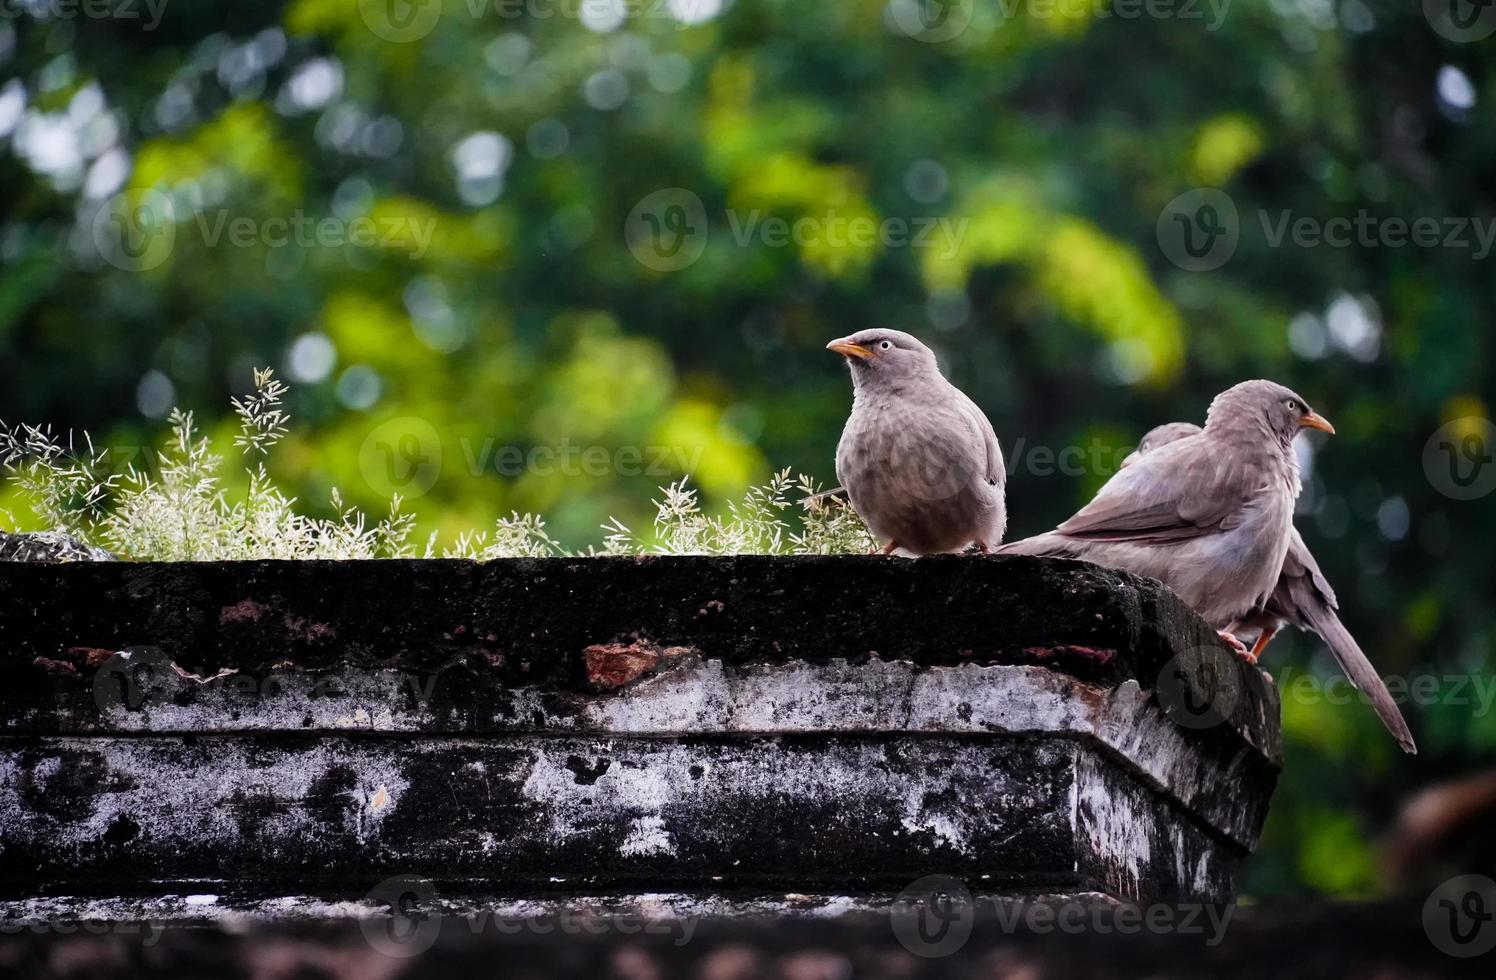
(886, 345)
(1293, 406)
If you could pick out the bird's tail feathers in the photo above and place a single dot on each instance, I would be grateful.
(1051, 544)
(1360, 672)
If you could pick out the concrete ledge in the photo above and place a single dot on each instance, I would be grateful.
(622, 726)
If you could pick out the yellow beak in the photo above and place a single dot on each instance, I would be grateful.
(1314, 420)
(846, 347)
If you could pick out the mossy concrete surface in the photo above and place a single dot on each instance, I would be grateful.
(737, 727)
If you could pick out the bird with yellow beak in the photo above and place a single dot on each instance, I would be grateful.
(919, 461)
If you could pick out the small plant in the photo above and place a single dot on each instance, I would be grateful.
(183, 513)
(758, 524)
(516, 536)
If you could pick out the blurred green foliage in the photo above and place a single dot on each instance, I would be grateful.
(497, 150)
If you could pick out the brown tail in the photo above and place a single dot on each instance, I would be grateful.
(1358, 670)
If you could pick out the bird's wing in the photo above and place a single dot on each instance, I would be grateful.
(1182, 490)
(1301, 576)
(995, 473)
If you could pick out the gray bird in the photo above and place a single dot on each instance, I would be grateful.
(1302, 598)
(919, 460)
(1209, 515)
(1161, 435)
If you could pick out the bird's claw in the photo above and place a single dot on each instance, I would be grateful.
(1237, 646)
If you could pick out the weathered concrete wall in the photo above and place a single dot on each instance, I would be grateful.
(684, 725)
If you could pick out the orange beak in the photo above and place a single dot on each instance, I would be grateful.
(1314, 420)
(845, 347)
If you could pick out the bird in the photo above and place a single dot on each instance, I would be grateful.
(1161, 435)
(1302, 598)
(1210, 514)
(920, 462)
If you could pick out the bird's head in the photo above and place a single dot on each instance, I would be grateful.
(1161, 436)
(1267, 405)
(882, 357)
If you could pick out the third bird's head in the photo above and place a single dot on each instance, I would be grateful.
(885, 358)
(1161, 435)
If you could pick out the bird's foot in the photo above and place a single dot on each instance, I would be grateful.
(887, 549)
(1262, 642)
(1237, 646)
